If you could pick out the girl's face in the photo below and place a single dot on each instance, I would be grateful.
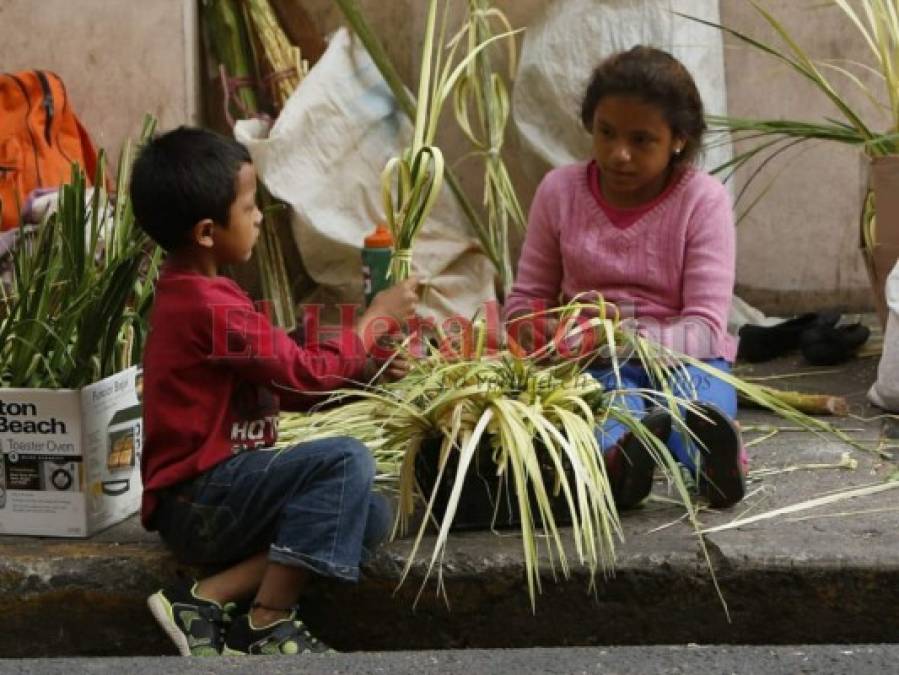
(633, 146)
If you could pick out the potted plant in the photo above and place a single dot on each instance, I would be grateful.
(82, 285)
(877, 21)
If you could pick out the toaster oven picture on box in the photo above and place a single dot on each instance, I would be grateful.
(124, 438)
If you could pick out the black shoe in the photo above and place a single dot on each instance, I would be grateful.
(287, 636)
(630, 464)
(828, 345)
(196, 626)
(721, 478)
(763, 343)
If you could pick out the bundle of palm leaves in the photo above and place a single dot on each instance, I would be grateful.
(233, 28)
(411, 183)
(529, 412)
(506, 406)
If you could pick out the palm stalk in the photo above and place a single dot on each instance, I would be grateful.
(483, 89)
(81, 288)
(228, 32)
(227, 36)
(411, 183)
(408, 105)
(810, 404)
(837, 497)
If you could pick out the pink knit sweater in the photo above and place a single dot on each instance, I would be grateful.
(673, 269)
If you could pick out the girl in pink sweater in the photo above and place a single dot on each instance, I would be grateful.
(654, 235)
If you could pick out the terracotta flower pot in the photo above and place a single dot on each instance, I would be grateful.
(880, 248)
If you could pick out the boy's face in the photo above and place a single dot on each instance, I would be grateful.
(234, 242)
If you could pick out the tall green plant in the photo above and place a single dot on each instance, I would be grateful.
(768, 138)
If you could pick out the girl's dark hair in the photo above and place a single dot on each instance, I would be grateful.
(657, 78)
(183, 177)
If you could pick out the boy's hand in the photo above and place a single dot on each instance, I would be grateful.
(398, 301)
(391, 306)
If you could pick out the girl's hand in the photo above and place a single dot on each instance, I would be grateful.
(397, 368)
(533, 333)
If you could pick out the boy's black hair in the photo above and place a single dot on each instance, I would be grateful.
(656, 77)
(182, 177)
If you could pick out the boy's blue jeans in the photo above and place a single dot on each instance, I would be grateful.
(310, 505)
(708, 389)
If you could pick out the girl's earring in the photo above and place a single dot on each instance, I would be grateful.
(677, 151)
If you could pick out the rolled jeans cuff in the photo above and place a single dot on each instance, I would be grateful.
(286, 556)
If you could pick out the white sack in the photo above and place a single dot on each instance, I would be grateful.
(885, 391)
(560, 52)
(324, 155)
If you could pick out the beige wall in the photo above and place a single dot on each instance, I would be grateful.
(118, 58)
(797, 248)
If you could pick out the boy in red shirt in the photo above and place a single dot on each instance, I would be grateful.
(215, 372)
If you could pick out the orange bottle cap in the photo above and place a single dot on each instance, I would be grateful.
(380, 238)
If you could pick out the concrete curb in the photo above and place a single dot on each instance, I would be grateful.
(829, 579)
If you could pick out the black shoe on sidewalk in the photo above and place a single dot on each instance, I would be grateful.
(287, 636)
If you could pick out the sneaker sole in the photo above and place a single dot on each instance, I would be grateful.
(638, 472)
(162, 612)
(722, 478)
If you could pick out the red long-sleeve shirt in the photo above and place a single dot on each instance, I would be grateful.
(215, 374)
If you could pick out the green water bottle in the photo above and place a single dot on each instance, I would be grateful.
(376, 262)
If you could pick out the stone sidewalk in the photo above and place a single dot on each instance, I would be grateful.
(826, 575)
(830, 659)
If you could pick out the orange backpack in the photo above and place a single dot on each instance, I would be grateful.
(40, 137)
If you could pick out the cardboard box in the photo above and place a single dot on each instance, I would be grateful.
(883, 180)
(70, 459)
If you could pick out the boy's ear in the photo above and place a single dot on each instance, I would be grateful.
(202, 233)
